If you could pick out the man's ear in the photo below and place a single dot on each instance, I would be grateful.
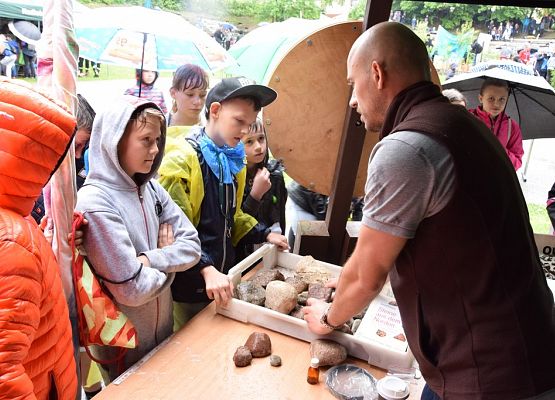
(215, 109)
(377, 75)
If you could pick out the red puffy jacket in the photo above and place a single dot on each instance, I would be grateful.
(36, 351)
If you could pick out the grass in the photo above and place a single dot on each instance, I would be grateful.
(109, 72)
(539, 219)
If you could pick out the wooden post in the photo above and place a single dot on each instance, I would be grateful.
(349, 157)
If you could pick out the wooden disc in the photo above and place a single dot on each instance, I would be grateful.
(305, 124)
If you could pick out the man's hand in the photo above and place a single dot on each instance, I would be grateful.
(218, 286)
(261, 184)
(165, 235)
(313, 314)
(279, 240)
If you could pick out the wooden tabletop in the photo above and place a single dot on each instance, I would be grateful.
(197, 363)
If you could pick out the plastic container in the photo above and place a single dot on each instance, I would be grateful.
(392, 388)
(349, 382)
(371, 351)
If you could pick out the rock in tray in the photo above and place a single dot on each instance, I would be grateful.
(281, 297)
(251, 293)
(297, 282)
(318, 291)
(265, 276)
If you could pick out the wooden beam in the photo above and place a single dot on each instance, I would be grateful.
(350, 151)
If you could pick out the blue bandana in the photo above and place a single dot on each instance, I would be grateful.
(228, 160)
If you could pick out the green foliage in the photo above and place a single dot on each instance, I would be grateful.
(274, 10)
(358, 11)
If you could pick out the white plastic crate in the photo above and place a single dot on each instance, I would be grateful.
(374, 353)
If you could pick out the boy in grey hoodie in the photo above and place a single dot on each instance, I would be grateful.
(136, 235)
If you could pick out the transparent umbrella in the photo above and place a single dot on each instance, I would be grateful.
(141, 37)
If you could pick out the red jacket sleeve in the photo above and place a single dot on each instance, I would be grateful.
(515, 150)
(20, 297)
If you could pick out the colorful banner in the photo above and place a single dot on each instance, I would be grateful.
(452, 47)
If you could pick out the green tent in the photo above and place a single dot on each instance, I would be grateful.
(21, 9)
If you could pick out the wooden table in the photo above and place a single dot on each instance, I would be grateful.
(197, 363)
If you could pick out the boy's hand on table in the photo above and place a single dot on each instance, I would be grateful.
(261, 184)
(218, 286)
(165, 236)
(279, 240)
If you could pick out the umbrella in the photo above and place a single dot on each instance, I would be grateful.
(510, 66)
(259, 51)
(140, 37)
(228, 26)
(25, 31)
(531, 99)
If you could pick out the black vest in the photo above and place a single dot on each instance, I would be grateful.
(475, 304)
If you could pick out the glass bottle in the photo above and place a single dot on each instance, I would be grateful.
(313, 372)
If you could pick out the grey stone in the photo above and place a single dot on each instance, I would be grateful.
(298, 312)
(296, 281)
(265, 276)
(275, 361)
(242, 356)
(302, 298)
(356, 324)
(251, 293)
(318, 291)
(281, 297)
(259, 344)
(328, 352)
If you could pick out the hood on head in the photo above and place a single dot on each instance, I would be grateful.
(35, 134)
(108, 129)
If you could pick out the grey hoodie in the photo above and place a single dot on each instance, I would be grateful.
(124, 220)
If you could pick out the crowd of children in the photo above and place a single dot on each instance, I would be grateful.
(173, 199)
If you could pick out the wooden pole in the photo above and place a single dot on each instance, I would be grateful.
(350, 152)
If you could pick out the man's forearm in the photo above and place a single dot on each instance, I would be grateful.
(352, 294)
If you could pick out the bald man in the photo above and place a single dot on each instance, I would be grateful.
(445, 218)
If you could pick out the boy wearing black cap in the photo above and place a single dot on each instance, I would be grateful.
(205, 175)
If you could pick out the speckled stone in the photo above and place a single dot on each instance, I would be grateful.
(251, 293)
(275, 361)
(302, 298)
(296, 281)
(328, 352)
(265, 276)
(242, 356)
(318, 291)
(281, 297)
(259, 344)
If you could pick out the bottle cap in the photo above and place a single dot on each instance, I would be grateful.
(393, 388)
(314, 362)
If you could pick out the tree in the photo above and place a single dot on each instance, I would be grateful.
(274, 10)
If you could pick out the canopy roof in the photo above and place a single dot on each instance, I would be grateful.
(21, 9)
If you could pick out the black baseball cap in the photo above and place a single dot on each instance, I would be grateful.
(240, 86)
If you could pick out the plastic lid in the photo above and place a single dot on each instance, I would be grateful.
(314, 362)
(393, 388)
(350, 382)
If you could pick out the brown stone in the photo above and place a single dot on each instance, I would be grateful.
(242, 356)
(251, 293)
(296, 281)
(281, 297)
(328, 352)
(259, 344)
(265, 276)
(318, 291)
(302, 298)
